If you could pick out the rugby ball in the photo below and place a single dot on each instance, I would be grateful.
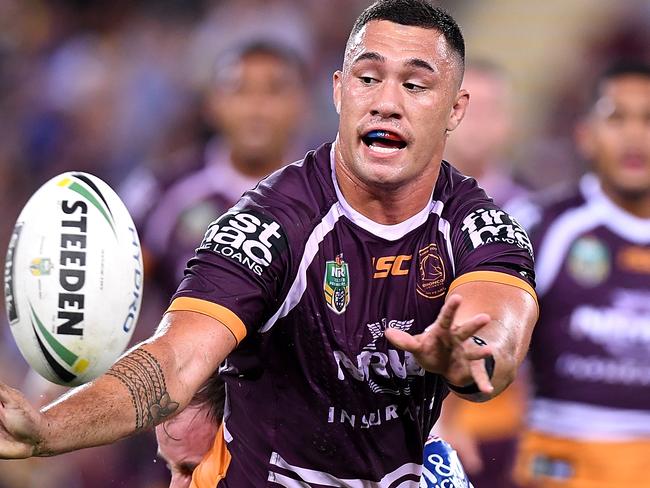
(73, 279)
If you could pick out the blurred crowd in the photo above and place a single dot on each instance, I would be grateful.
(148, 95)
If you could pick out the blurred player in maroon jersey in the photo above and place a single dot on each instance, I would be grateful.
(347, 293)
(589, 419)
(486, 435)
(256, 104)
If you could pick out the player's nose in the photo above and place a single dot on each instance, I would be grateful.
(388, 102)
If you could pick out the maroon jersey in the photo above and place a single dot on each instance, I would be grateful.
(590, 349)
(316, 396)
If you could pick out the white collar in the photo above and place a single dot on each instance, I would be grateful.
(618, 220)
(391, 232)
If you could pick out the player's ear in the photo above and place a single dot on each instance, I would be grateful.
(458, 110)
(336, 88)
(584, 139)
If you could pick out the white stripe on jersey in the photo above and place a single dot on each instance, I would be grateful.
(559, 237)
(597, 211)
(626, 225)
(299, 284)
(311, 476)
(282, 480)
(580, 421)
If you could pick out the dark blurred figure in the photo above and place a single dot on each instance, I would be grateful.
(589, 419)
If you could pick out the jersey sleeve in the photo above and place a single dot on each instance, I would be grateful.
(488, 244)
(239, 271)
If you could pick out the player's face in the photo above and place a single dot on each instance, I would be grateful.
(183, 442)
(397, 96)
(258, 107)
(616, 136)
(487, 124)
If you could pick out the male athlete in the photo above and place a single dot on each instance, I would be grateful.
(590, 357)
(256, 103)
(347, 293)
(185, 440)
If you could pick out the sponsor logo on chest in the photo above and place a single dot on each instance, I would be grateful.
(380, 368)
(391, 266)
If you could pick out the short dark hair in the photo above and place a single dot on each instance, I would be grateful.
(268, 47)
(212, 395)
(618, 69)
(416, 13)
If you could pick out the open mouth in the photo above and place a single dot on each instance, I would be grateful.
(383, 141)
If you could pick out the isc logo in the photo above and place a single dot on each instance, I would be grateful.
(249, 238)
(391, 266)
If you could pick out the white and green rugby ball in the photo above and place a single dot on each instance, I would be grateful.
(73, 279)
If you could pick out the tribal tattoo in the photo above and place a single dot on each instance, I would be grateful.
(143, 377)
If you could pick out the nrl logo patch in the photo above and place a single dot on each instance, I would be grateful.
(41, 266)
(336, 284)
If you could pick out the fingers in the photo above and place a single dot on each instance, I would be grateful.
(480, 375)
(403, 340)
(467, 329)
(448, 312)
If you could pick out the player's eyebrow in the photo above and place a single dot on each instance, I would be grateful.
(369, 56)
(411, 63)
(419, 63)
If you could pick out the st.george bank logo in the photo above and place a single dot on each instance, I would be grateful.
(246, 237)
(431, 273)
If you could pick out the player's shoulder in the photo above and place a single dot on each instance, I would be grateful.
(459, 194)
(539, 210)
(298, 195)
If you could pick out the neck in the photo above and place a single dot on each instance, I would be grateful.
(385, 205)
(637, 204)
(256, 167)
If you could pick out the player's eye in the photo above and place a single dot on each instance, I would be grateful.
(367, 80)
(413, 87)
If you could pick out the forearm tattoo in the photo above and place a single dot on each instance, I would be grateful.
(143, 377)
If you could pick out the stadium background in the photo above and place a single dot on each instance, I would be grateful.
(110, 87)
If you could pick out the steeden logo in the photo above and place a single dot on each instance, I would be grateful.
(431, 273)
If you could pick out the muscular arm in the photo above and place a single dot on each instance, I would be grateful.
(502, 315)
(154, 380)
(513, 313)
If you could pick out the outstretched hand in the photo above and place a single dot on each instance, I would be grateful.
(447, 347)
(20, 425)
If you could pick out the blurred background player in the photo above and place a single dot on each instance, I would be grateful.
(481, 149)
(256, 105)
(589, 419)
(486, 435)
(184, 441)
